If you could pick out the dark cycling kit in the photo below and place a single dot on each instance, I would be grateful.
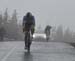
(28, 28)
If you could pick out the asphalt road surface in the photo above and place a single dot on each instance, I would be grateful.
(40, 51)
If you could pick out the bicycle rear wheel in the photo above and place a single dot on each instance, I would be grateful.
(28, 41)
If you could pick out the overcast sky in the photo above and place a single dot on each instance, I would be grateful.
(53, 12)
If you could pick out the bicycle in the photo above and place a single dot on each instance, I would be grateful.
(28, 40)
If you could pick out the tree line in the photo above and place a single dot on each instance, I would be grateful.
(9, 26)
(12, 30)
(61, 35)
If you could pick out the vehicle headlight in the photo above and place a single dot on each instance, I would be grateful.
(44, 36)
(33, 35)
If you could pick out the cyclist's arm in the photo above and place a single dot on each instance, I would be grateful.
(33, 21)
(24, 21)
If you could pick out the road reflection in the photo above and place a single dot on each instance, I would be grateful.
(27, 57)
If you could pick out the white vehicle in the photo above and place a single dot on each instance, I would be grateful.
(39, 36)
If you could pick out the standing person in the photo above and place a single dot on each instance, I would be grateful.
(47, 31)
(28, 25)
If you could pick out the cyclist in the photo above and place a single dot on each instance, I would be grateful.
(28, 25)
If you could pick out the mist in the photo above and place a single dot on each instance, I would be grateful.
(52, 12)
(55, 13)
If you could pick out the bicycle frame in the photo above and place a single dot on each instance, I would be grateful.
(28, 40)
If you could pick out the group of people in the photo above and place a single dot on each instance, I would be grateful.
(29, 25)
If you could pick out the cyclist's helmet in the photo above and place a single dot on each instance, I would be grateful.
(28, 14)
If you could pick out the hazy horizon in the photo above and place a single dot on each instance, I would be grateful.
(53, 12)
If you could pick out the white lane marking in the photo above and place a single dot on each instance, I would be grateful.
(6, 56)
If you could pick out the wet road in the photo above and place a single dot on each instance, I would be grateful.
(40, 51)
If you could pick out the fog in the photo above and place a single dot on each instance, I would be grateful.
(58, 14)
(53, 12)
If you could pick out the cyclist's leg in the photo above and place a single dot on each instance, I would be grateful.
(25, 40)
(29, 42)
(32, 32)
